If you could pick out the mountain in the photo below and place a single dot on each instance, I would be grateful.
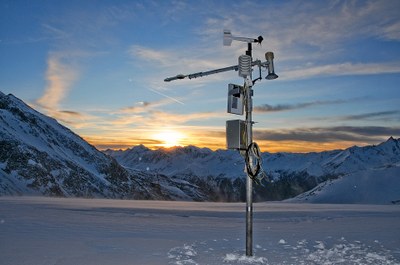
(222, 171)
(39, 156)
(177, 161)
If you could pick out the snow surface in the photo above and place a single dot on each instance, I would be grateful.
(374, 186)
(37, 230)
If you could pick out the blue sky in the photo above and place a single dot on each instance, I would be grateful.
(98, 67)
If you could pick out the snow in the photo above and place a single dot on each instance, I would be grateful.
(376, 186)
(37, 230)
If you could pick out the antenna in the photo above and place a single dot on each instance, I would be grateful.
(239, 133)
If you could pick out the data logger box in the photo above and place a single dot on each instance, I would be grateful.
(236, 134)
(235, 99)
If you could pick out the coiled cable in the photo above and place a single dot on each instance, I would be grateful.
(254, 163)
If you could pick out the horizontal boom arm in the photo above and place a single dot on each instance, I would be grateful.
(211, 72)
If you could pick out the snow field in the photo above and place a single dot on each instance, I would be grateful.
(35, 230)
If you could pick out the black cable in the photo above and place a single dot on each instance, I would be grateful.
(253, 151)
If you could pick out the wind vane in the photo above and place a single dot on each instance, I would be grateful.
(239, 133)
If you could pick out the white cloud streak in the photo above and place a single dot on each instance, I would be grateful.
(341, 69)
(60, 77)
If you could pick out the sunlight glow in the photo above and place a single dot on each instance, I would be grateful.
(169, 138)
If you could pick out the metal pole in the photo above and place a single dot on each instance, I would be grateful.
(249, 181)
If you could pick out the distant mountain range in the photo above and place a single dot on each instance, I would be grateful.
(38, 156)
(376, 168)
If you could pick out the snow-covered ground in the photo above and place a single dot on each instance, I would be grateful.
(374, 186)
(44, 231)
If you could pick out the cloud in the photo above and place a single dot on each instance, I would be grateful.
(186, 61)
(144, 106)
(381, 115)
(285, 107)
(60, 77)
(54, 32)
(313, 37)
(368, 134)
(152, 55)
(165, 118)
(341, 69)
(392, 32)
(316, 30)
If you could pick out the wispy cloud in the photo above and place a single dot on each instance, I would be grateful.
(381, 115)
(166, 96)
(166, 118)
(392, 31)
(285, 107)
(152, 55)
(313, 38)
(144, 106)
(316, 31)
(159, 119)
(60, 77)
(330, 134)
(184, 62)
(55, 33)
(341, 69)
(61, 74)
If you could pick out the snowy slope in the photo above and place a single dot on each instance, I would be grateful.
(40, 156)
(377, 186)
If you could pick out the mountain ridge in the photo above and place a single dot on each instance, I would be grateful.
(337, 161)
(39, 156)
(292, 173)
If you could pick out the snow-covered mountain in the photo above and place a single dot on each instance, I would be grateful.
(178, 161)
(204, 162)
(292, 173)
(39, 156)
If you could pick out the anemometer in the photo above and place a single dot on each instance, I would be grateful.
(239, 133)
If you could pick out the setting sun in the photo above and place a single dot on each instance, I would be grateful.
(169, 138)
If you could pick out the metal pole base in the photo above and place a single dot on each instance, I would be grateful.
(249, 216)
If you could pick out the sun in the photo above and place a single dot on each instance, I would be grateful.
(169, 138)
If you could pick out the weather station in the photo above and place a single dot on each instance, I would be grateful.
(239, 133)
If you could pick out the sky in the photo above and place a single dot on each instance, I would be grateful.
(98, 67)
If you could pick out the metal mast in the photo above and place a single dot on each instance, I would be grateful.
(249, 182)
(246, 92)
